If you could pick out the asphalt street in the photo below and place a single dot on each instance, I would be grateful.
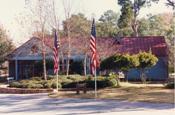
(41, 104)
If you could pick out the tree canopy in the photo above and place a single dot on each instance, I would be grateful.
(146, 60)
(141, 61)
(6, 45)
(107, 25)
(120, 62)
(79, 25)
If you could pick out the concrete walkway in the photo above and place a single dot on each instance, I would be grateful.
(41, 104)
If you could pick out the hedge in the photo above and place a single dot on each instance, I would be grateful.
(65, 82)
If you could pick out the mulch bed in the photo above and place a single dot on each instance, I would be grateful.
(23, 90)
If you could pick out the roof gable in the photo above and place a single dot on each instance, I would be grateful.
(32, 49)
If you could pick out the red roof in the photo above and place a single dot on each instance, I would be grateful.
(110, 46)
(133, 45)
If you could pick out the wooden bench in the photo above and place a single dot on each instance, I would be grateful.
(81, 87)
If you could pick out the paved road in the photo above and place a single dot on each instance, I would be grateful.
(40, 104)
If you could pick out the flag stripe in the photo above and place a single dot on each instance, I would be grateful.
(55, 54)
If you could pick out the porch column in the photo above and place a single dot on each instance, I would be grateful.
(16, 69)
(89, 65)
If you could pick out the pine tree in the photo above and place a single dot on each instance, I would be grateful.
(126, 17)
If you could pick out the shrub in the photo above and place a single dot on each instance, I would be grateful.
(112, 83)
(170, 85)
(69, 85)
(66, 82)
(76, 78)
(46, 84)
(36, 78)
(112, 77)
(50, 77)
(63, 79)
(15, 84)
(54, 85)
(102, 82)
(34, 86)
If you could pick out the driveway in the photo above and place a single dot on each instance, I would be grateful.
(41, 104)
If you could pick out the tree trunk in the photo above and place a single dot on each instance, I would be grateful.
(44, 55)
(67, 66)
(85, 63)
(135, 27)
(69, 48)
(62, 61)
(142, 76)
(126, 76)
(68, 56)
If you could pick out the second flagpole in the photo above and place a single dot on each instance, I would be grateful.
(57, 81)
(95, 75)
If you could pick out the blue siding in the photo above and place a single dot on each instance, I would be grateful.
(158, 72)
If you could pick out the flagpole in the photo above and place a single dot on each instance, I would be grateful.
(95, 75)
(57, 81)
(93, 48)
(56, 58)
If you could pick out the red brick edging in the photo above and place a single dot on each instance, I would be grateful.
(24, 90)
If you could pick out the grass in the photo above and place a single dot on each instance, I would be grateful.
(130, 92)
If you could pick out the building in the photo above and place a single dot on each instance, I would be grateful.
(23, 61)
(158, 47)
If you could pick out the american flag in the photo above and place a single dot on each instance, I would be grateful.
(55, 54)
(93, 48)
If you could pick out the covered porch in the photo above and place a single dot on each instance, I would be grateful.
(24, 69)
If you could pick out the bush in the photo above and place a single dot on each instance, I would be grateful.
(54, 85)
(170, 85)
(66, 82)
(15, 84)
(102, 82)
(46, 84)
(34, 86)
(76, 78)
(113, 83)
(36, 78)
(50, 77)
(69, 85)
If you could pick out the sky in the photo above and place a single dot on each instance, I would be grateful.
(11, 10)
